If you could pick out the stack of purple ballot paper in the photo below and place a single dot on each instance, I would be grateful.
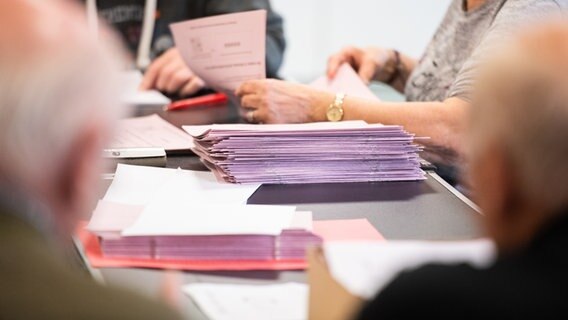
(326, 152)
(289, 245)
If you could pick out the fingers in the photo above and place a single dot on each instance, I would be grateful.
(255, 115)
(249, 87)
(170, 289)
(348, 54)
(154, 70)
(251, 93)
(192, 86)
(251, 101)
(166, 75)
(170, 74)
(367, 70)
(178, 80)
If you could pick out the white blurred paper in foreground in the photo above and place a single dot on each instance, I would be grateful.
(365, 268)
(287, 301)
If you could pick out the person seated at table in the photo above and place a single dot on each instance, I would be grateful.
(517, 134)
(57, 105)
(165, 69)
(437, 87)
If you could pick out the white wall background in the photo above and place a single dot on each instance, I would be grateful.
(316, 28)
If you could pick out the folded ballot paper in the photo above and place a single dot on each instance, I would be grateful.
(325, 152)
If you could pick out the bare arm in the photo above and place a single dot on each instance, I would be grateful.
(442, 122)
(275, 101)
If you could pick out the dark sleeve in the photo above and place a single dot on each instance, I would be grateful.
(275, 42)
(430, 292)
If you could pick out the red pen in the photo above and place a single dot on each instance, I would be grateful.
(208, 99)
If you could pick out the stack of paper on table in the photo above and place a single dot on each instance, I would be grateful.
(169, 214)
(328, 230)
(365, 268)
(156, 193)
(207, 232)
(349, 151)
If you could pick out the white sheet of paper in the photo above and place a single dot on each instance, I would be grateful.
(184, 217)
(302, 220)
(150, 131)
(365, 268)
(224, 50)
(132, 96)
(345, 81)
(138, 185)
(288, 301)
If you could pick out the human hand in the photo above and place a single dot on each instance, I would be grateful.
(277, 101)
(169, 73)
(368, 62)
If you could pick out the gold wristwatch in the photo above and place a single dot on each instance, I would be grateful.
(335, 110)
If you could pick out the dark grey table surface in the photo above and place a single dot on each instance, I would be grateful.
(429, 210)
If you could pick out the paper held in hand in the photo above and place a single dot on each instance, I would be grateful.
(224, 50)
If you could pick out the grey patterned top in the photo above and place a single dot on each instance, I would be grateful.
(447, 68)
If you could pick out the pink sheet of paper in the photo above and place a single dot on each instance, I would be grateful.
(346, 81)
(346, 230)
(224, 50)
(329, 230)
(150, 131)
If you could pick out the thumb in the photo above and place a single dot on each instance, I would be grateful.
(170, 289)
(367, 71)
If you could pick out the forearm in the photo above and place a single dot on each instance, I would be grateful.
(441, 122)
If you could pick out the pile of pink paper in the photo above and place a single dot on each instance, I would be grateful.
(203, 232)
(349, 151)
(290, 244)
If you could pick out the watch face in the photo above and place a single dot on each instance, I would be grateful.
(334, 114)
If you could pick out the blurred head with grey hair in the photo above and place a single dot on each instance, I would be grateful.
(57, 107)
(519, 136)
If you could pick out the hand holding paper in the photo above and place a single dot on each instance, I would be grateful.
(347, 81)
